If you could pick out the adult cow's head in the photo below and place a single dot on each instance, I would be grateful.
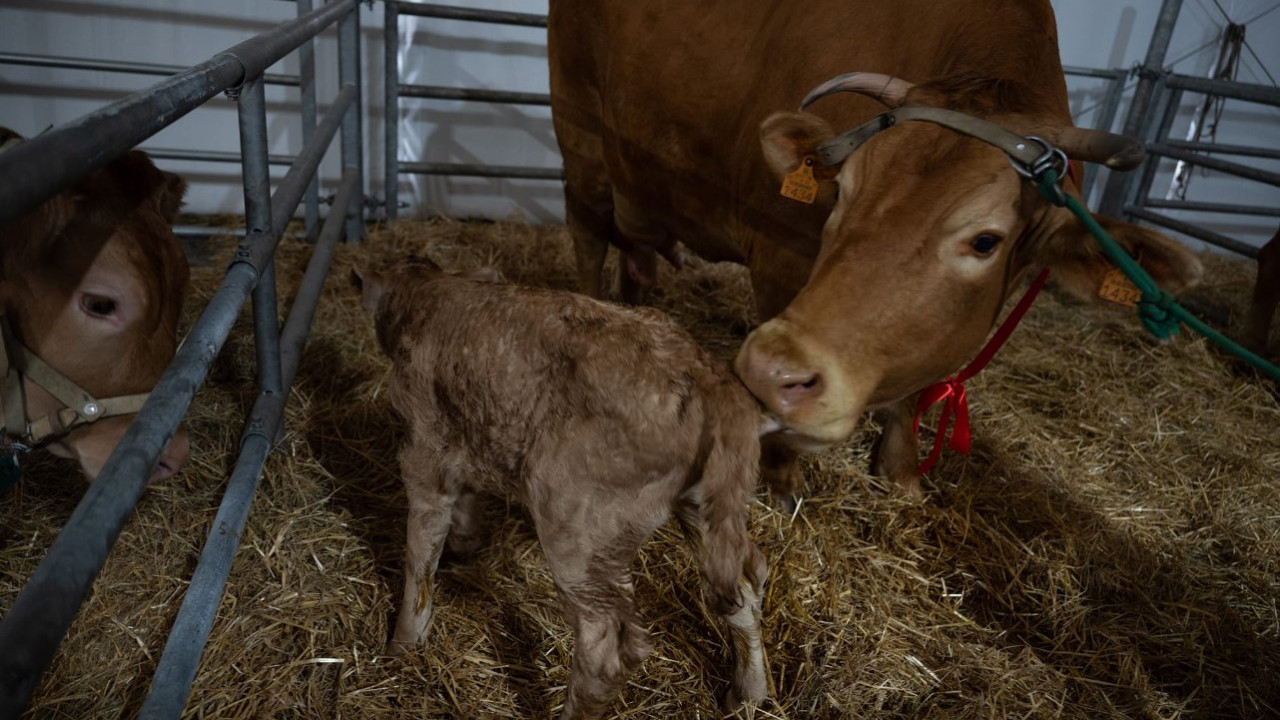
(92, 283)
(929, 233)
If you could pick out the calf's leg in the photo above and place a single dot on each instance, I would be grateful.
(714, 516)
(590, 548)
(430, 509)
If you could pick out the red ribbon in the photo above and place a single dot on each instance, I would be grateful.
(951, 391)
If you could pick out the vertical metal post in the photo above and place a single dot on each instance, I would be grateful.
(1169, 101)
(258, 229)
(391, 109)
(1106, 119)
(352, 155)
(307, 86)
(1113, 196)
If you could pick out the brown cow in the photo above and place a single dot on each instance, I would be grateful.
(605, 421)
(1266, 295)
(92, 284)
(894, 275)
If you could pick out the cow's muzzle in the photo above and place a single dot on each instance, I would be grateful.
(807, 395)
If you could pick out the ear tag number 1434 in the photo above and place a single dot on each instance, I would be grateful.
(800, 184)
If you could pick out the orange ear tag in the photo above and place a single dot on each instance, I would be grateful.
(800, 184)
(1118, 288)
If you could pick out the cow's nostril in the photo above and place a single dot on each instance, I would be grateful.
(800, 390)
(802, 385)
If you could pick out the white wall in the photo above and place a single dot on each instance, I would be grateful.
(1094, 33)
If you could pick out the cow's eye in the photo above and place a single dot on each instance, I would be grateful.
(98, 305)
(985, 244)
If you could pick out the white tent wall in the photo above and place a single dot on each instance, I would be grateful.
(1093, 33)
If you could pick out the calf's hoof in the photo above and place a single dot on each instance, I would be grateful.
(786, 502)
(397, 647)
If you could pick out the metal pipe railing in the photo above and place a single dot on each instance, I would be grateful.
(176, 670)
(220, 156)
(1117, 187)
(1194, 231)
(437, 92)
(352, 123)
(391, 110)
(450, 12)
(1224, 149)
(56, 160)
(487, 171)
(116, 66)
(1209, 207)
(1213, 163)
(307, 79)
(43, 611)
(1249, 92)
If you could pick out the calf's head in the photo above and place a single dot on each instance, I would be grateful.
(93, 282)
(930, 232)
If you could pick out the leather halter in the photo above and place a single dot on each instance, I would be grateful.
(18, 363)
(1026, 158)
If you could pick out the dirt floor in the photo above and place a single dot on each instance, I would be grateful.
(1110, 549)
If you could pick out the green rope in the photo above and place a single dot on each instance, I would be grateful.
(1159, 312)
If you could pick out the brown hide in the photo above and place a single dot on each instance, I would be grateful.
(93, 282)
(1266, 295)
(884, 285)
(605, 421)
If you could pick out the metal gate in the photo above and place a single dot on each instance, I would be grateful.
(40, 616)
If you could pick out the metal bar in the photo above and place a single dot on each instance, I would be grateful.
(260, 230)
(307, 78)
(1261, 210)
(296, 327)
(490, 171)
(1199, 233)
(289, 192)
(171, 684)
(494, 17)
(391, 111)
(176, 671)
(437, 92)
(1113, 197)
(1169, 103)
(1221, 149)
(56, 160)
(115, 66)
(352, 133)
(1249, 92)
(1093, 72)
(1213, 163)
(1105, 120)
(210, 156)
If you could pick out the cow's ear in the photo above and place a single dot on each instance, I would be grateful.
(169, 195)
(372, 286)
(1080, 267)
(790, 138)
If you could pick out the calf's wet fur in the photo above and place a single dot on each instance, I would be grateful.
(605, 422)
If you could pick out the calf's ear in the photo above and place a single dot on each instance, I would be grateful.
(1080, 267)
(791, 138)
(372, 287)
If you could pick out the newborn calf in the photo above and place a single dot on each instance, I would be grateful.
(603, 420)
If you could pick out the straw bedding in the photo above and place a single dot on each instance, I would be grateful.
(1110, 549)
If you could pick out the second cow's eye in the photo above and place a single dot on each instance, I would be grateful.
(98, 305)
(985, 244)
